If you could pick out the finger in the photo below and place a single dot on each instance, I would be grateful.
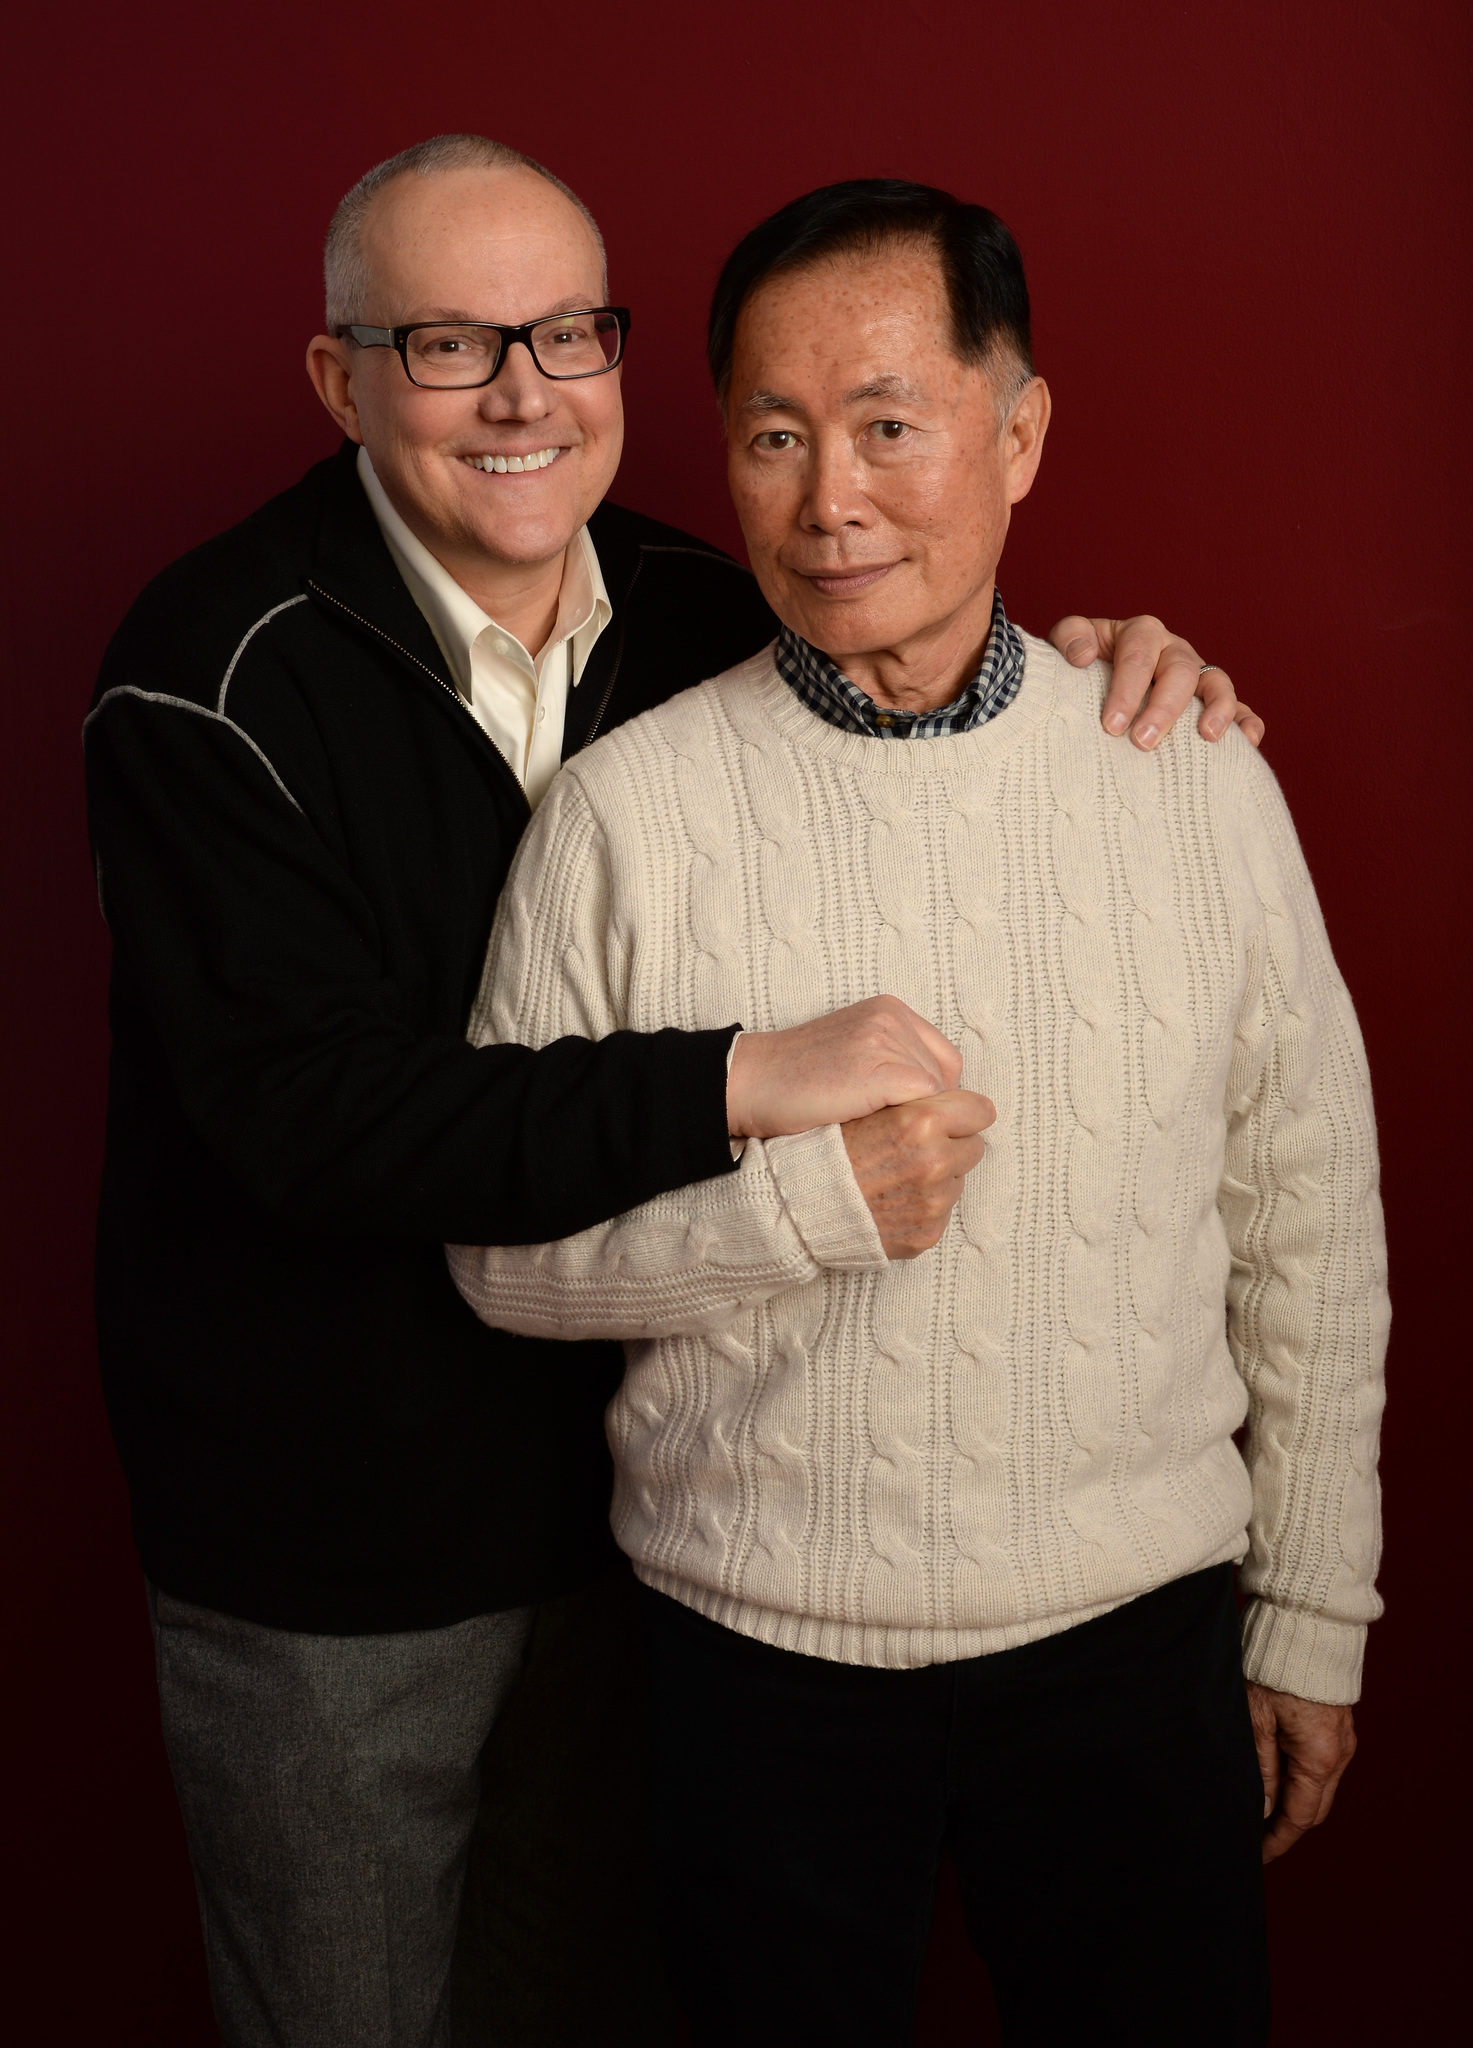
(1279, 1838)
(934, 1046)
(968, 1152)
(1219, 703)
(1302, 1802)
(1136, 646)
(1250, 725)
(894, 1082)
(1076, 639)
(1173, 686)
(1266, 1741)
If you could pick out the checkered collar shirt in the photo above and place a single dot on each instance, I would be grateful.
(827, 691)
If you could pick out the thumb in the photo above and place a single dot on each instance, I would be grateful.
(965, 1112)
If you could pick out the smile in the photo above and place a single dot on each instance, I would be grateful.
(540, 458)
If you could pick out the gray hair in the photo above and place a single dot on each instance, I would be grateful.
(345, 269)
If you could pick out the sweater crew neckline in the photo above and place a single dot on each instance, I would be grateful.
(758, 686)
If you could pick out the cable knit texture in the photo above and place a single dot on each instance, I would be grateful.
(1175, 1230)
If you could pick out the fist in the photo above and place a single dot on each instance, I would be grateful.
(836, 1067)
(910, 1162)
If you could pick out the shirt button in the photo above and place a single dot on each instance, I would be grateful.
(502, 648)
(883, 718)
(541, 713)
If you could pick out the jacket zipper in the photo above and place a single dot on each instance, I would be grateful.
(592, 733)
(423, 666)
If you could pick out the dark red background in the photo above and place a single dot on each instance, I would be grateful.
(1246, 232)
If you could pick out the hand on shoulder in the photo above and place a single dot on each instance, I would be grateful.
(1156, 675)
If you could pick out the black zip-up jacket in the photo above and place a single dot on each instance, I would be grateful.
(300, 833)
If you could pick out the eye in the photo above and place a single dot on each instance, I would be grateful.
(777, 440)
(889, 430)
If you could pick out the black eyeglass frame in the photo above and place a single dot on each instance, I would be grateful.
(397, 338)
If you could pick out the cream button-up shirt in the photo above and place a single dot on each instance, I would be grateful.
(520, 700)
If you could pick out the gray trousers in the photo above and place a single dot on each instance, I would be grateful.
(424, 1840)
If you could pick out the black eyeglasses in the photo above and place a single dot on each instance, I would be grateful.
(457, 355)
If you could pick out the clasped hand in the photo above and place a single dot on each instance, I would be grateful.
(890, 1079)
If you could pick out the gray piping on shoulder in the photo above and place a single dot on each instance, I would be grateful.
(201, 711)
(246, 639)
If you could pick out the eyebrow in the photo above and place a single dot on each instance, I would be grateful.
(892, 386)
(769, 401)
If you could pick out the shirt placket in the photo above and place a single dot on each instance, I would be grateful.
(557, 661)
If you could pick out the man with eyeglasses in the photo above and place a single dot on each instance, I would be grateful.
(315, 744)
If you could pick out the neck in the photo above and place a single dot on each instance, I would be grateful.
(522, 597)
(929, 668)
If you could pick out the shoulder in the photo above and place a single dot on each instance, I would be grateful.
(644, 560)
(182, 632)
(615, 772)
(618, 531)
(1182, 765)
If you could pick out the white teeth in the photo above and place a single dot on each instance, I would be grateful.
(540, 458)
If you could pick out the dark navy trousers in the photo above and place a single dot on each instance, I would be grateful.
(1098, 1791)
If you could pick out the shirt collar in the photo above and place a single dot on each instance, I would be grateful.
(826, 690)
(454, 617)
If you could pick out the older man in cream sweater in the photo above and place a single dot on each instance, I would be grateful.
(938, 1549)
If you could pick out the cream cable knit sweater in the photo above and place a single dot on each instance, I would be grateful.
(1175, 1227)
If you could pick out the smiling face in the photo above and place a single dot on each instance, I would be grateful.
(502, 245)
(870, 469)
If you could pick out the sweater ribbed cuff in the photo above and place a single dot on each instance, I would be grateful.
(822, 1196)
(1303, 1654)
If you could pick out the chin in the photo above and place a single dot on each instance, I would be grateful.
(841, 628)
(535, 537)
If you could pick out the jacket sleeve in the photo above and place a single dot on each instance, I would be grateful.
(242, 938)
(1308, 1310)
(681, 1263)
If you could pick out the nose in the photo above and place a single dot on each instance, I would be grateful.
(835, 497)
(518, 391)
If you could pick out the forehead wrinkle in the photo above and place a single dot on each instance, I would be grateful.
(572, 302)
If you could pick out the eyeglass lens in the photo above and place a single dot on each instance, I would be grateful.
(576, 345)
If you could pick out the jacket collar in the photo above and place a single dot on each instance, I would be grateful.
(353, 569)
(354, 573)
(615, 538)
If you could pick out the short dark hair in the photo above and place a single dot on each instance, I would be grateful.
(980, 262)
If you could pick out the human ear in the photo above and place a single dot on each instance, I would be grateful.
(330, 368)
(1023, 434)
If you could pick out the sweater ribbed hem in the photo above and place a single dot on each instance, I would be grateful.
(818, 1187)
(850, 1642)
(1303, 1654)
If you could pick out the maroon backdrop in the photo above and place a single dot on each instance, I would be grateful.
(1244, 230)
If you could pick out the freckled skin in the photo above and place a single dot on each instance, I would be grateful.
(916, 480)
(500, 245)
